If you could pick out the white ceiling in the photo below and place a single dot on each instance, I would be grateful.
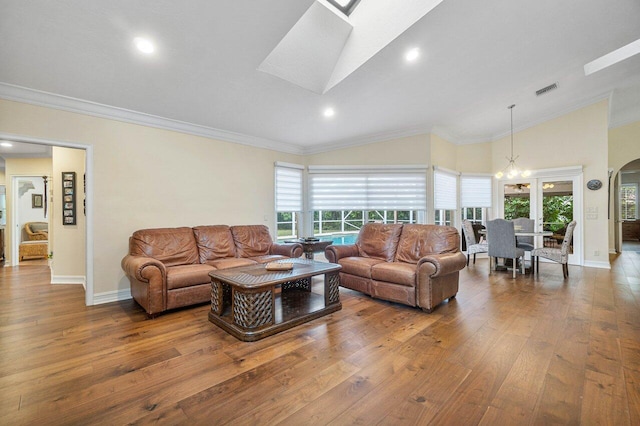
(477, 58)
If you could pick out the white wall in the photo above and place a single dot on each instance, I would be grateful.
(25, 205)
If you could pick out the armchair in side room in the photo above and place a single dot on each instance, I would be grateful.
(36, 231)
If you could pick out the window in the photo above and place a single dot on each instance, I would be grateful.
(345, 6)
(475, 196)
(444, 217)
(288, 199)
(350, 221)
(348, 189)
(445, 191)
(629, 201)
(473, 214)
(345, 198)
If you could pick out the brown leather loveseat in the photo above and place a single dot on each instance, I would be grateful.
(169, 267)
(417, 265)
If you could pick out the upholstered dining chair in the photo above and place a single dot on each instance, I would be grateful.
(524, 224)
(560, 255)
(502, 243)
(473, 247)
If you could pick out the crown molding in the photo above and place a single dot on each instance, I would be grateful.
(69, 104)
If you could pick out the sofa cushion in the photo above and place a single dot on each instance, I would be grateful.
(214, 242)
(187, 275)
(171, 246)
(378, 240)
(417, 241)
(251, 240)
(229, 262)
(360, 266)
(395, 272)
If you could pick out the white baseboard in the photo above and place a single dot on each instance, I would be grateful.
(594, 264)
(111, 296)
(69, 279)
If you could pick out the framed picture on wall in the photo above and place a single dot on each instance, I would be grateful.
(69, 198)
(36, 201)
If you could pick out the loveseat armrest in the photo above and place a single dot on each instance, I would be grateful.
(445, 263)
(148, 279)
(143, 268)
(287, 249)
(335, 253)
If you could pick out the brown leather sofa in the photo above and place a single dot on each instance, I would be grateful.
(417, 265)
(169, 267)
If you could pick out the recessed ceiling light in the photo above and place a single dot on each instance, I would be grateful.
(412, 54)
(6, 144)
(329, 112)
(144, 45)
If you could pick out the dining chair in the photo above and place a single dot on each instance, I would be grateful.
(502, 243)
(473, 247)
(559, 255)
(524, 224)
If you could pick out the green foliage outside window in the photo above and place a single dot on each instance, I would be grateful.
(557, 210)
(515, 207)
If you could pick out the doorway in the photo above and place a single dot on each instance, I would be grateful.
(31, 230)
(552, 199)
(85, 208)
(627, 219)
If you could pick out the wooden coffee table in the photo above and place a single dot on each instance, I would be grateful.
(251, 302)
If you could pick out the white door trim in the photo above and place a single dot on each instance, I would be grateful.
(88, 196)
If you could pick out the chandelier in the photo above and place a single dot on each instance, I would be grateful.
(512, 170)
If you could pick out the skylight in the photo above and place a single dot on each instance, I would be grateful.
(345, 6)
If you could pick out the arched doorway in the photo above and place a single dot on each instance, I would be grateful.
(627, 186)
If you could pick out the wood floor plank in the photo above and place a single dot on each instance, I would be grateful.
(531, 350)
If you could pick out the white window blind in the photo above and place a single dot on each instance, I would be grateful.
(288, 189)
(445, 189)
(370, 190)
(475, 191)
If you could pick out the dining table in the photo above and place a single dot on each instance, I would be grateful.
(517, 233)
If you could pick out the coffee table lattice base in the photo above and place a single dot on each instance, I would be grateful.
(252, 310)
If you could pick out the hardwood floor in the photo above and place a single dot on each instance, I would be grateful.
(534, 350)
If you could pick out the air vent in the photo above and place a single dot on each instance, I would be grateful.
(547, 89)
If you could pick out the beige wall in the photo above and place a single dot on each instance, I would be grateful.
(146, 177)
(68, 244)
(474, 158)
(403, 151)
(20, 167)
(624, 147)
(577, 138)
(443, 153)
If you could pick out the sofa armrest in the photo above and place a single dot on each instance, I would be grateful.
(445, 263)
(143, 268)
(335, 253)
(287, 249)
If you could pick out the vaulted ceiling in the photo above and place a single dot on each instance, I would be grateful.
(476, 58)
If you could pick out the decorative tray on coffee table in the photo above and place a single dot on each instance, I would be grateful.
(275, 266)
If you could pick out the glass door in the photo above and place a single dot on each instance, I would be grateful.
(551, 201)
(556, 210)
(517, 199)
